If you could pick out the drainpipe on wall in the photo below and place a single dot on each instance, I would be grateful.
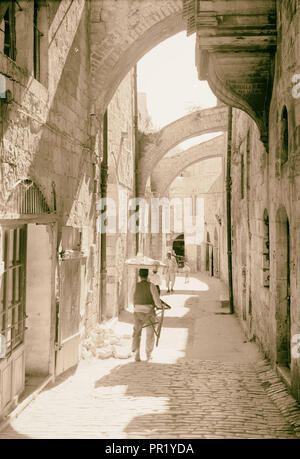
(228, 199)
(136, 147)
(104, 173)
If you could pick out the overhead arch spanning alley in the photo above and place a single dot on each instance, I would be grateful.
(75, 135)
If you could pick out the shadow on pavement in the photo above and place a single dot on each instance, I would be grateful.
(196, 400)
(12, 434)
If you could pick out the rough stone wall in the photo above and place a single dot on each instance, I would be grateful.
(121, 183)
(45, 129)
(247, 220)
(271, 186)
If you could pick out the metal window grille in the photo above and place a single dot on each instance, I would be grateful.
(27, 199)
(12, 289)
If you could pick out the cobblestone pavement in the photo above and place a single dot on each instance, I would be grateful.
(180, 394)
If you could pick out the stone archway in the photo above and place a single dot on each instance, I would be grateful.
(155, 145)
(169, 168)
(237, 59)
(121, 33)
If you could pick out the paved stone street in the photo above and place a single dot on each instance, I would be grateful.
(205, 381)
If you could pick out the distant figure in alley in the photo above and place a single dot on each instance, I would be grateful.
(146, 299)
(154, 277)
(171, 270)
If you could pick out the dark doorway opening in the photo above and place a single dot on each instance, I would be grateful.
(178, 248)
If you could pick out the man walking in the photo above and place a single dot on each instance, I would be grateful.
(154, 277)
(146, 299)
(171, 271)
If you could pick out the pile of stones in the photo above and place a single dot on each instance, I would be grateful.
(103, 342)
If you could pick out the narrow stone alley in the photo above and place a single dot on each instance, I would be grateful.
(205, 381)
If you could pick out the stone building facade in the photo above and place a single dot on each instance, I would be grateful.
(60, 64)
(51, 160)
(49, 245)
(121, 244)
(260, 79)
(265, 207)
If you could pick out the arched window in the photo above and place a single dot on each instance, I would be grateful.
(26, 198)
(266, 250)
(284, 154)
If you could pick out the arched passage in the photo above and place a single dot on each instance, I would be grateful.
(121, 33)
(156, 145)
(169, 168)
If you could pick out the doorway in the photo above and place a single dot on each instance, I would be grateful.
(12, 313)
(26, 318)
(179, 250)
(39, 343)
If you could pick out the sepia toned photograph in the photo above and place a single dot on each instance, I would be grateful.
(150, 222)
